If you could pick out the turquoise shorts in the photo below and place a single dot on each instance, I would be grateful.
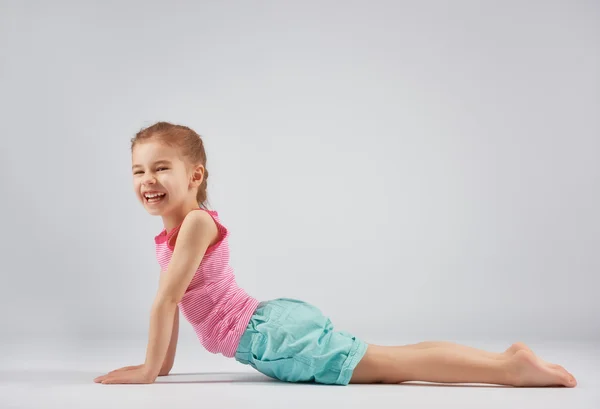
(292, 341)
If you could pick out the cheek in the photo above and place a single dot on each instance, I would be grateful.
(136, 188)
(167, 182)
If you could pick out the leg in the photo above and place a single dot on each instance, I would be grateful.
(510, 351)
(457, 347)
(383, 364)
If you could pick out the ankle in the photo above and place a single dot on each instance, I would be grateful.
(516, 367)
(511, 372)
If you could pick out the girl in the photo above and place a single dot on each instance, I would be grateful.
(286, 339)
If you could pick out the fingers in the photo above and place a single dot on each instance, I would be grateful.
(103, 377)
(125, 368)
(128, 374)
(113, 379)
(109, 378)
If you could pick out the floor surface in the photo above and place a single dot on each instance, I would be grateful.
(54, 375)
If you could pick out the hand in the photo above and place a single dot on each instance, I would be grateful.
(127, 374)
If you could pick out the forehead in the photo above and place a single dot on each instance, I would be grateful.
(152, 151)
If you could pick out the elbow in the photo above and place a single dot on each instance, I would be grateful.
(165, 302)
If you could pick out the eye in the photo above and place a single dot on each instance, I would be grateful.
(138, 172)
(161, 168)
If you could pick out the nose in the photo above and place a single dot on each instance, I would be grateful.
(148, 180)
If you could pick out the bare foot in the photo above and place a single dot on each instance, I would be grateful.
(520, 346)
(526, 369)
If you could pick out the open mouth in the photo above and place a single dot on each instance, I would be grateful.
(152, 198)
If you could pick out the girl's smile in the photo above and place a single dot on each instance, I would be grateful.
(154, 197)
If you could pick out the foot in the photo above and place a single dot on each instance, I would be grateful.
(520, 346)
(525, 369)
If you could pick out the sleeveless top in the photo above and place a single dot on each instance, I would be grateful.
(213, 304)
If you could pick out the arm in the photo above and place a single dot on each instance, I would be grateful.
(197, 231)
(170, 358)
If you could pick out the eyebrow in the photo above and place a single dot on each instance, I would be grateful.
(163, 161)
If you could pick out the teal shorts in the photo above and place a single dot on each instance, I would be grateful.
(292, 341)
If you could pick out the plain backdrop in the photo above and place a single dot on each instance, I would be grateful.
(418, 170)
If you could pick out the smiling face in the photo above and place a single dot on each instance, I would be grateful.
(163, 182)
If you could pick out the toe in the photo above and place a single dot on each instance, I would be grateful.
(566, 378)
(558, 368)
(562, 370)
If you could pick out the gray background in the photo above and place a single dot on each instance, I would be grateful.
(418, 170)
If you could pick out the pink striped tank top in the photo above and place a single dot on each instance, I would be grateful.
(217, 308)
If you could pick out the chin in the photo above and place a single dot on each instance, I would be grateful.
(154, 211)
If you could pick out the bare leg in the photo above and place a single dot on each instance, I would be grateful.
(455, 347)
(510, 351)
(383, 364)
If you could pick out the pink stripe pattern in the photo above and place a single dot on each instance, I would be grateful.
(216, 307)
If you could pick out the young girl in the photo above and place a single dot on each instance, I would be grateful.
(286, 339)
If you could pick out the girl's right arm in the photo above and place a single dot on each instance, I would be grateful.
(170, 357)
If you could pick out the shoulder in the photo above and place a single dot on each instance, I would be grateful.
(198, 224)
(198, 229)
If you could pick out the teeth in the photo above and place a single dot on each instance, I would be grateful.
(153, 195)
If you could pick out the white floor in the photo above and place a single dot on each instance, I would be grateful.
(49, 375)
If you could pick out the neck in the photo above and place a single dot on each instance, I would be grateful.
(176, 216)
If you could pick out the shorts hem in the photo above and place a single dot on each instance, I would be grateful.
(357, 352)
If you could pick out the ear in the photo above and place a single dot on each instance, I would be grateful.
(197, 176)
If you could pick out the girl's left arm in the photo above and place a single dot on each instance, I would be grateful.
(197, 231)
